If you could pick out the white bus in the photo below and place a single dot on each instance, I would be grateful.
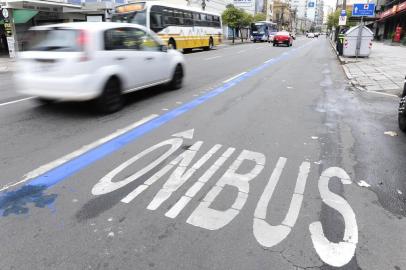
(181, 27)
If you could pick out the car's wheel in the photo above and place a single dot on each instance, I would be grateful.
(188, 50)
(111, 99)
(172, 44)
(255, 41)
(273, 44)
(177, 78)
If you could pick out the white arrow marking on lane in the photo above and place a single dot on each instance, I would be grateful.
(188, 134)
(52, 165)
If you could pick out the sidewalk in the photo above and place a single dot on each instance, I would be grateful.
(6, 64)
(384, 71)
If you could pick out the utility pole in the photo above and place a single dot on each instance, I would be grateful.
(343, 7)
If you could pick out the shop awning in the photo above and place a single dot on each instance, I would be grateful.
(393, 11)
(22, 15)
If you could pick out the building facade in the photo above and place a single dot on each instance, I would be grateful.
(391, 16)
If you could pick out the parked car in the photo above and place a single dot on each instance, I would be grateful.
(283, 38)
(310, 35)
(402, 110)
(96, 61)
(317, 34)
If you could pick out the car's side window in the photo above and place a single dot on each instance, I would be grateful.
(150, 44)
(129, 39)
(123, 39)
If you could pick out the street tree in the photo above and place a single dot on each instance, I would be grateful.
(231, 17)
(236, 19)
(259, 17)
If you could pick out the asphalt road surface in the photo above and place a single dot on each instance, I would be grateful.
(265, 159)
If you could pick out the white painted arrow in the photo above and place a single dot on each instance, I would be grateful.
(188, 134)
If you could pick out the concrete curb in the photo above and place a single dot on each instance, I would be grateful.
(343, 63)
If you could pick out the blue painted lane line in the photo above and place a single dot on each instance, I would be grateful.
(73, 166)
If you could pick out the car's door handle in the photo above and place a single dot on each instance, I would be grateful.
(149, 58)
(120, 58)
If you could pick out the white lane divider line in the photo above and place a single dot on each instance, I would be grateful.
(269, 60)
(232, 78)
(214, 57)
(52, 165)
(15, 101)
(240, 51)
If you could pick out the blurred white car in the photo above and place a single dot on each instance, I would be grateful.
(310, 35)
(95, 61)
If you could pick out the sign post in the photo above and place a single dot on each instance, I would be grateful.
(10, 31)
(362, 10)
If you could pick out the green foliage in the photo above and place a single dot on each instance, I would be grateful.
(259, 17)
(236, 18)
(232, 16)
(332, 19)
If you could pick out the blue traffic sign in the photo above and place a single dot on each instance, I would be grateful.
(363, 10)
(343, 13)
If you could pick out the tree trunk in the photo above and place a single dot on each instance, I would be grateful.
(233, 35)
(242, 38)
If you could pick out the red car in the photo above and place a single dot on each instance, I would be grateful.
(283, 38)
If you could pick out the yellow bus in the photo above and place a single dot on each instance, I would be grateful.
(181, 27)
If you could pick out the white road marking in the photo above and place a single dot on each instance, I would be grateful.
(106, 185)
(232, 78)
(15, 101)
(192, 191)
(52, 165)
(165, 109)
(240, 51)
(214, 57)
(188, 134)
(212, 219)
(362, 183)
(180, 175)
(269, 60)
(179, 102)
(335, 254)
(268, 235)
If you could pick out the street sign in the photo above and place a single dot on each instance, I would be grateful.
(342, 20)
(343, 13)
(363, 10)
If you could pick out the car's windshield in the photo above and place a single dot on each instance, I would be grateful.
(138, 17)
(57, 39)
